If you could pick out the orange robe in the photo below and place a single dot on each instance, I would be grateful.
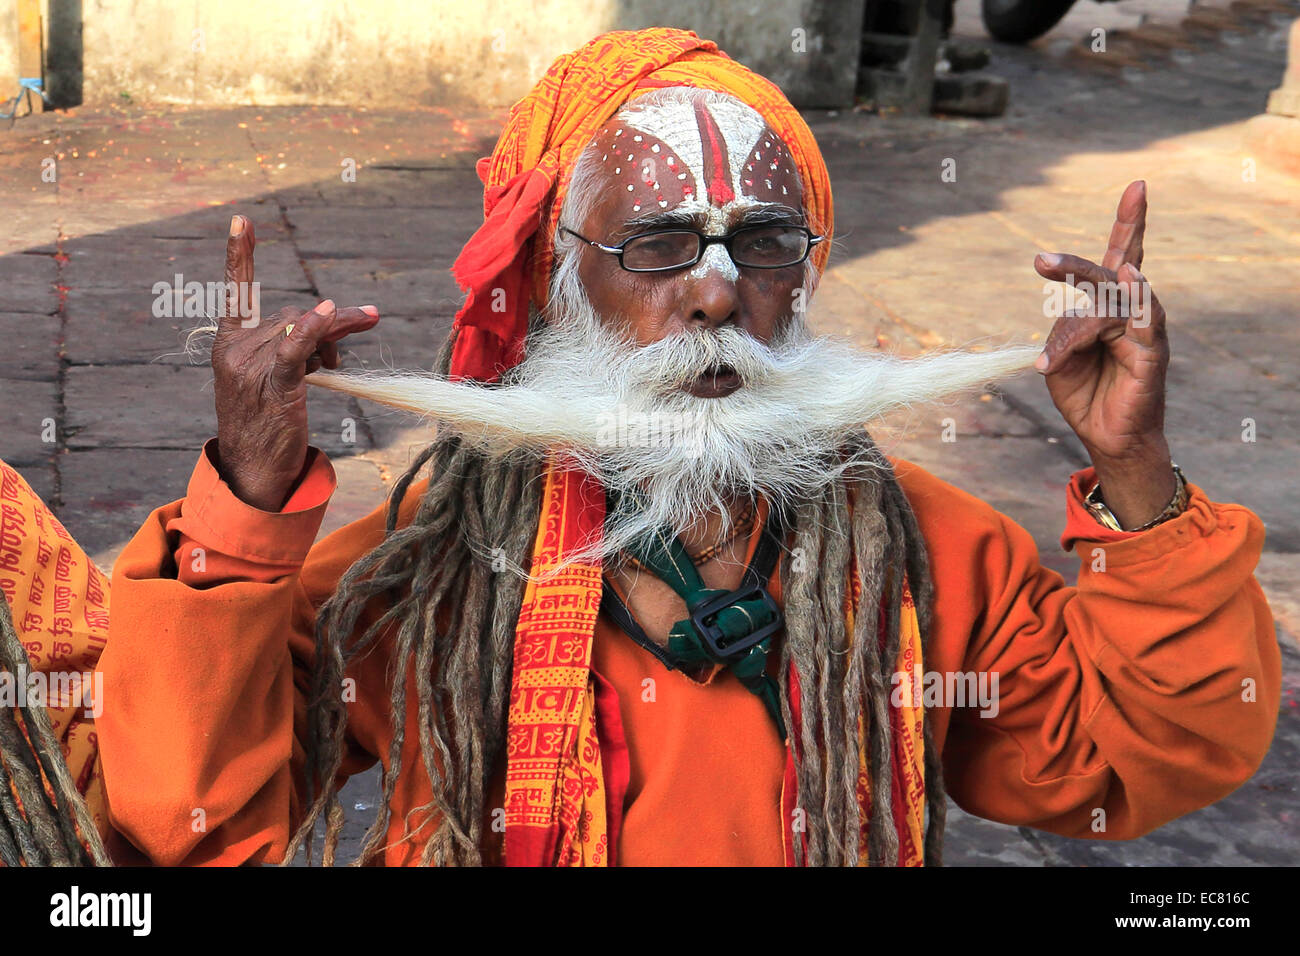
(1149, 690)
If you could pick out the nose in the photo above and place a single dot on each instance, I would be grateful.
(711, 295)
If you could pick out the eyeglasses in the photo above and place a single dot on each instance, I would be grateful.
(752, 247)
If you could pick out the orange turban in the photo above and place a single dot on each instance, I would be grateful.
(528, 173)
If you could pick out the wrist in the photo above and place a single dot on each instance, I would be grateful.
(257, 491)
(218, 520)
(1137, 501)
(270, 500)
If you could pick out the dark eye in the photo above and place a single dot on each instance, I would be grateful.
(663, 250)
(655, 246)
(770, 246)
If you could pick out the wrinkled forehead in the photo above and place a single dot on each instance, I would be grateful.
(712, 158)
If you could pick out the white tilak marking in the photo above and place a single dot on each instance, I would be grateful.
(716, 259)
(675, 125)
(716, 220)
(741, 127)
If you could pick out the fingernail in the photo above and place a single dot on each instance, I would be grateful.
(1050, 259)
(325, 308)
(370, 310)
(236, 226)
(1041, 362)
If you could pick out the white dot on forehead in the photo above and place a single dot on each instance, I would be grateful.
(636, 139)
(654, 148)
(629, 187)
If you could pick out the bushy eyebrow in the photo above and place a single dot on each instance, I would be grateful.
(756, 215)
(663, 219)
(770, 212)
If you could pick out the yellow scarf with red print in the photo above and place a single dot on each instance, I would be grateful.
(58, 599)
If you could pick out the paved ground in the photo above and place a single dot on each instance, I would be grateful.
(143, 195)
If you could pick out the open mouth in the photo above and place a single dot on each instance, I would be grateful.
(717, 382)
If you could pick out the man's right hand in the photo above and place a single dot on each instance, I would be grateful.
(259, 371)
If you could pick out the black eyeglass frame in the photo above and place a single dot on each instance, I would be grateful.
(705, 241)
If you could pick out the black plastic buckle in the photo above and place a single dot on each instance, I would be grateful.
(716, 644)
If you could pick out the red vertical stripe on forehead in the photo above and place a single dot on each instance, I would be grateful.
(717, 170)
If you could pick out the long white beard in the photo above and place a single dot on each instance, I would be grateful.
(620, 412)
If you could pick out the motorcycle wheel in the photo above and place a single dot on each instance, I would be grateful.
(1019, 21)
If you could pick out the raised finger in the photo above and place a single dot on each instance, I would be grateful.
(241, 300)
(1125, 244)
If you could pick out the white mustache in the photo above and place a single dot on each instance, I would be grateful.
(526, 414)
(781, 435)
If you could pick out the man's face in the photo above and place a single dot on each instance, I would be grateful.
(706, 167)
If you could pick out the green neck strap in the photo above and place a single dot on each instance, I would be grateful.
(732, 628)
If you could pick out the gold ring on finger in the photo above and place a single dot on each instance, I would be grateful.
(287, 329)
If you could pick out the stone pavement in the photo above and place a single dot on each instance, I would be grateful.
(104, 412)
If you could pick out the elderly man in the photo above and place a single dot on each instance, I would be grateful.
(750, 639)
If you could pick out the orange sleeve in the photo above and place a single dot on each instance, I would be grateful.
(1149, 690)
(206, 668)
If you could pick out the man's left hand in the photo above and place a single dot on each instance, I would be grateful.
(1105, 367)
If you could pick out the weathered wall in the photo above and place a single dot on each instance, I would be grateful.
(395, 52)
(1274, 137)
(809, 48)
(8, 48)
